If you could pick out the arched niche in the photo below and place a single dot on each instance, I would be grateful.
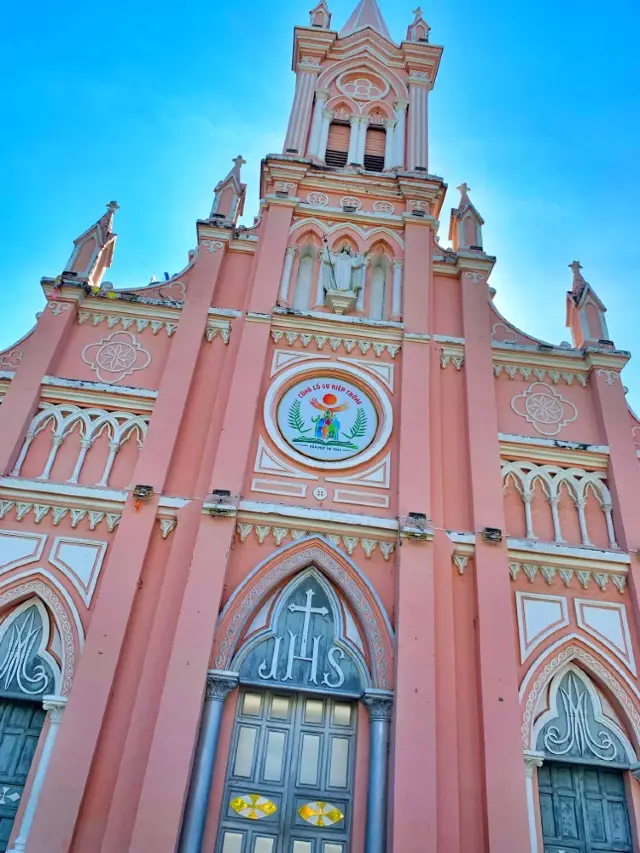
(255, 599)
(29, 660)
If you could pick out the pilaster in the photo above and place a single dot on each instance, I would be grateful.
(300, 118)
(506, 805)
(419, 87)
(65, 785)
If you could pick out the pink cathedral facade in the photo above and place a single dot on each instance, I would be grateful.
(307, 549)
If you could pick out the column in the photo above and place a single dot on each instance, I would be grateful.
(354, 121)
(300, 116)
(23, 395)
(505, 792)
(322, 96)
(414, 796)
(219, 685)
(390, 125)
(285, 281)
(327, 117)
(532, 760)
(379, 705)
(64, 788)
(55, 706)
(399, 136)
(419, 86)
(362, 139)
(396, 294)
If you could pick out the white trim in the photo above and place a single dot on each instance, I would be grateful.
(90, 385)
(312, 514)
(551, 549)
(40, 539)
(551, 442)
(580, 603)
(63, 489)
(529, 644)
(87, 589)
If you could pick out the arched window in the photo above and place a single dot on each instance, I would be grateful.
(374, 149)
(337, 144)
(304, 279)
(378, 297)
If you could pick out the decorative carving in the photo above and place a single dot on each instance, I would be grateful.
(212, 245)
(57, 307)
(542, 407)
(501, 334)
(319, 813)
(335, 342)
(220, 684)
(379, 704)
(460, 561)
(350, 201)
(253, 806)
(10, 360)
(383, 207)
(116, 356)
(141, 323)
(24, 668)
(452, 355)
(475, 277)
(319, 199)
(217, 327)
(611, 376)
(348, 542)
(55, 706)
(514, 371)
(58, 513)
(167, 525)
(362, 88)
(583, 576)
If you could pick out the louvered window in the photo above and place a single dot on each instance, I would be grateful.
(374, 149)
(337, 144)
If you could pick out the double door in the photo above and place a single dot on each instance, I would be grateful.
(583, 809)
(290, 775)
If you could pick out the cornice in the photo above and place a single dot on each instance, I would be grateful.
(609, 360)
(554, 452)
(567, 556)
(565, 365)
(388, 220)
(337, 325)
(99, 394)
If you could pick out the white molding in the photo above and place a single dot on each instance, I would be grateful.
(550, 549)
(92, 385)
(552, 442)
(279, 487)
(529, 644)
(365, 478)
(352, 496)
(312, 514)
(63, 490)
(266, 462)
(38, 539)
(85, 588)
(626, 657)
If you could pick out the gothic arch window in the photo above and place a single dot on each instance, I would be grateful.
(28, 667)
(304, 278)
(580, 724)
(374, 149)
(378, 288)
(338, 144)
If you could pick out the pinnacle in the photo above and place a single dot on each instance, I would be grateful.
(366, 14)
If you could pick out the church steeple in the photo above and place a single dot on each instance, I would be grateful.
(465, 229)
(585, 311)
(93, 249)
(228, 202)
(366, 14)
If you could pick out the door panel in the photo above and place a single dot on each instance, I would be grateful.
(20, 727)
(290, 775)
(583, 810)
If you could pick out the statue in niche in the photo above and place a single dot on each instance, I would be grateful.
(342, 278)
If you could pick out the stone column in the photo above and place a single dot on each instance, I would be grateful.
(379, 705)
(322, 96)
(362, 139)
(396, 296)
(400, 133)
(419, 86)
(327, 116)
(55, 706)
(532, 760)
(354, 121)
(285, 281)
(299, 120)
(389, 143)
(219, 685)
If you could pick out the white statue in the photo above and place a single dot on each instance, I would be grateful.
(342, 271)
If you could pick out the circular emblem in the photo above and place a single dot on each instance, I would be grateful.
(327, 418)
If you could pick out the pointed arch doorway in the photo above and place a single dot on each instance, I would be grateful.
(583, 758)
(304, 639)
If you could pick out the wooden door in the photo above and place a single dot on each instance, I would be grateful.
(583, 809)
(290, 775)
(20, 727)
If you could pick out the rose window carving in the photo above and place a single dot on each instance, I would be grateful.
(362, 88)
(546, 410)
(115, 357)
(317, 198)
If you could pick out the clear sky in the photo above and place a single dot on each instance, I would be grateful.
(537, 107)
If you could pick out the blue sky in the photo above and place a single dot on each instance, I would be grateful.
(537, 107)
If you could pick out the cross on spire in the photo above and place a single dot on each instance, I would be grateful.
(113, 206)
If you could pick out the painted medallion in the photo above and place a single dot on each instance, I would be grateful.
(327, 419)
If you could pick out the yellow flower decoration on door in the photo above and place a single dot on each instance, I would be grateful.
(320, 814)
(253, 806)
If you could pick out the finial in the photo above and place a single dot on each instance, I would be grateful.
(464, 191)
(418, 14)
(418, 29)
(113, 206)
(578, 278)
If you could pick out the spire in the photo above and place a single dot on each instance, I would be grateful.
(93, 250)
(465, 229)
(585, 311)
(228, 202)
(366, 14)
